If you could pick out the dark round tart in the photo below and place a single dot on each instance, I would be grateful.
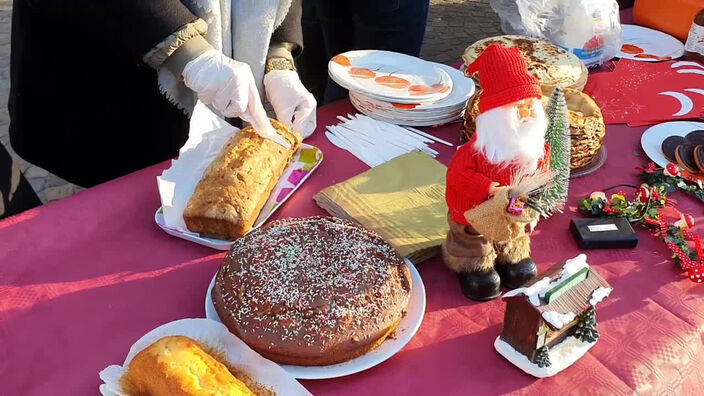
(312, 291)
(699, 157)
(685, 157)
(669, 146)
(695, 137)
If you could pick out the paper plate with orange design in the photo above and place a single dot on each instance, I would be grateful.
(648, 45)
(463, 88)
(390, 76)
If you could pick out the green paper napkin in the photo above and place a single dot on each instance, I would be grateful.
(403, 200)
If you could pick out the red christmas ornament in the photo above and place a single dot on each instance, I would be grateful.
(643, 193)
(672, 170)
(696, 274)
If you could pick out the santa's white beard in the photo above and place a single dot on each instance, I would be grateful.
(504, 139)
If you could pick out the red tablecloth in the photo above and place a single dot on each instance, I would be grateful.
(82, 278)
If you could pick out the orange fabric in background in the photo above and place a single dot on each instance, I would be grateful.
(673, 17)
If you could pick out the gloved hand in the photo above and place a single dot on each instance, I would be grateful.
(229, 87)
(293, 104)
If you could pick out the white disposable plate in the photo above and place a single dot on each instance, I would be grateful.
(216, 336)
(374, 105)
(652, 138)
(304, 162)
(410, 120)
(652, 42)
(414, 72)
(407, 116)
(462, 89)
(406, 329)
(396, 119)
(409, 113)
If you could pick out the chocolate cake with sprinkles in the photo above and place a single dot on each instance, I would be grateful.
(312, 291)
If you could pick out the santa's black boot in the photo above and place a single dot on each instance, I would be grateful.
(482, 285)
(516, 275)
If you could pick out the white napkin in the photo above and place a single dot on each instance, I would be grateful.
(207, 135)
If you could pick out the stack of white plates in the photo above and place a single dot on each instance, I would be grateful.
(402, 89)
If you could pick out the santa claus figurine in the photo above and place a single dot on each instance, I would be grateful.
(509, 140)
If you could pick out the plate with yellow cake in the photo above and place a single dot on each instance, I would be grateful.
(246, 181)
(191, 357)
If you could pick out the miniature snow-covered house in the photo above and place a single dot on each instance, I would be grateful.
(550, 323)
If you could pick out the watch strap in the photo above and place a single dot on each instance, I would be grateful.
(279, 63)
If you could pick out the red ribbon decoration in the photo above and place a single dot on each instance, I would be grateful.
(695, 270)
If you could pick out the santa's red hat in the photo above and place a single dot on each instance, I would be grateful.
(503, 75)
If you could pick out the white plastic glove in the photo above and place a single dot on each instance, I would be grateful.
(229, 87)
(293, 104)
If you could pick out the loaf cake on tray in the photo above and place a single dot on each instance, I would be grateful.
(234, 188)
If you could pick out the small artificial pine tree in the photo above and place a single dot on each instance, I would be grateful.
(586, 328)
(543, 358)
(558, 138)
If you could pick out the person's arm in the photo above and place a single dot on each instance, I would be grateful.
(179, 48)
(16, 195)
(286, 41)
(133, 26)
(289, 35)
(293, 104)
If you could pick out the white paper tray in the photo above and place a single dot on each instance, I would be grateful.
(305, 161)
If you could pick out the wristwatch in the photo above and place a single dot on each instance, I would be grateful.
(279, 63)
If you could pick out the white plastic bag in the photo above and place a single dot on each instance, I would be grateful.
(590, 29)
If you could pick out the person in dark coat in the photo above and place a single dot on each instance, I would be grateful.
(87, 77)
(16, 195)
(333, 27)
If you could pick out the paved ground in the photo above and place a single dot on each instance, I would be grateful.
(455, 24)
(452, 25)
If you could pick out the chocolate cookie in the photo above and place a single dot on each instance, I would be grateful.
(669, 145)
(695, 137)
(699, 157)
(685, 157)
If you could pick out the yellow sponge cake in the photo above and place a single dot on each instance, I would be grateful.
(178, 366)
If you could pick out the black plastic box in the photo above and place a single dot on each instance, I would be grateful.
(604, 233)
